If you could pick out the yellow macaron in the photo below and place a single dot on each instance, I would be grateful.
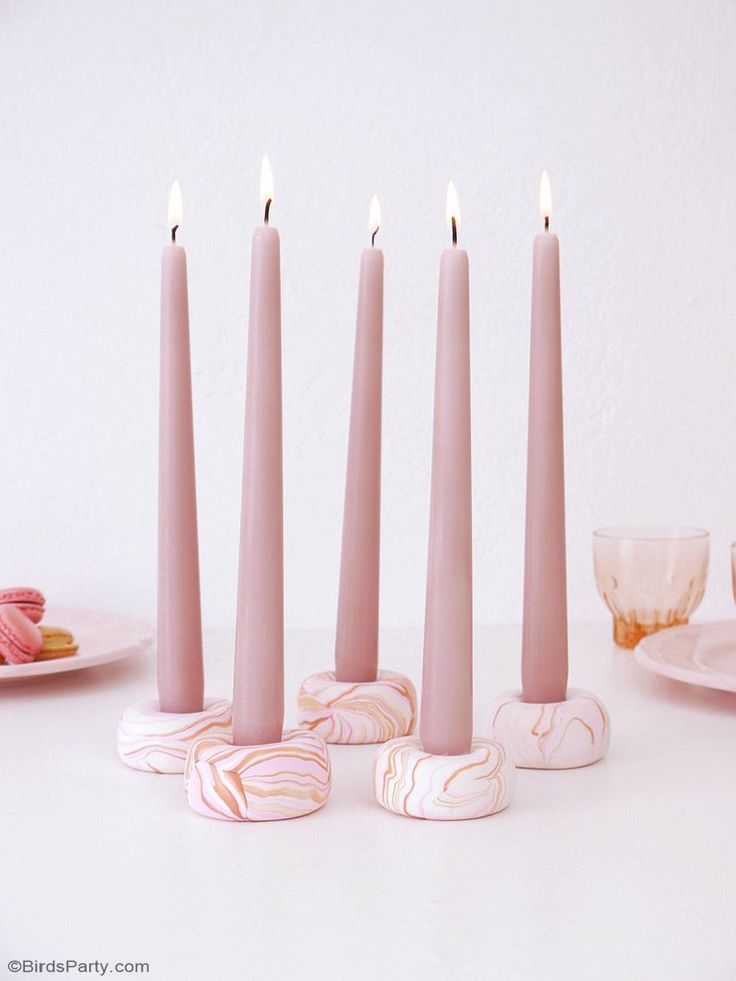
(57, 642)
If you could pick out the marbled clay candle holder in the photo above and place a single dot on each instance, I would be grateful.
(409, 781)
(267, 782)
(650, 578)
(552, 735)
(158, 742)
(358, 712)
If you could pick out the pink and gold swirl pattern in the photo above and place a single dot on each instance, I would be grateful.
(158, 742)
(258, 783)
(409, 781)
(358, 712)
(555, 735)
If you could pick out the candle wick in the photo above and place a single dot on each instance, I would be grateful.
(267, 211)
(454, 230)
(546, 223)
(373, 236)
(173, 233)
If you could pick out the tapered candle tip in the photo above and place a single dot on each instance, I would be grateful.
(374, 218)
(545, 198)
(266, 186)
(176, 206)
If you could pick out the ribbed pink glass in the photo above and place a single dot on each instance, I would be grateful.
(650, 578)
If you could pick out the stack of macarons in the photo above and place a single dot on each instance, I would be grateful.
(21, 640)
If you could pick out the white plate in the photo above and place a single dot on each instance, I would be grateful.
(102, 637)
(698, 654)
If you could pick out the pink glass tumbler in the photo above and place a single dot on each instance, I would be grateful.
(650, 578)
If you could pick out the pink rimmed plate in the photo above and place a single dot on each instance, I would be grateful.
(698, 654)
(102, 637)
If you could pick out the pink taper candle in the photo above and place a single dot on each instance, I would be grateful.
(544, 643)
(258, 695)
(180, 671)
(446, 719)
(356, 642)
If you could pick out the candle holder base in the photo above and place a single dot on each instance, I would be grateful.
(358, 712)
(269, 782)
(408, 781)
(552, 735)
(157, 742)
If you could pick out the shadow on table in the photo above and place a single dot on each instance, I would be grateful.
(137, 667)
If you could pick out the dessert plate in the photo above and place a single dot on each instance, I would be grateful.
(698, 654)
(102, 637)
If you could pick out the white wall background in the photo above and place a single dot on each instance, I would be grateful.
(630, 106)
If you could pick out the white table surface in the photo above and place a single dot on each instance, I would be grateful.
(626, 869)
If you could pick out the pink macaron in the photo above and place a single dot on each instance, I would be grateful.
(20, 638)
(29, 601)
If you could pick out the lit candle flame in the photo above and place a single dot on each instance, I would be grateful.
(452, 208)
(545, 198)
(374, 216)
(176, 205)
(266, 183)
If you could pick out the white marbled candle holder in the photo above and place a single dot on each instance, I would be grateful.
(270, 782)
(360, 711)
(552, 735)
(408, 781)
(157, 742)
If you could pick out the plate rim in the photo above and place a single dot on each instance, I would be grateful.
(702, 678)
(10, 673)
